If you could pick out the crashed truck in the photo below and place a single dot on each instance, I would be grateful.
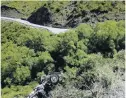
(47, 84)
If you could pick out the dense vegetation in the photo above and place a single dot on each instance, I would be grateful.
(91, 58)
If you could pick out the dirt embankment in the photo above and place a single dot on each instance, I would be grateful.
(10, 12)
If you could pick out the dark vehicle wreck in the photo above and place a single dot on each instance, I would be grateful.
(47, 84)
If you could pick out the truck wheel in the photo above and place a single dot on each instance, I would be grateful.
(54, 79)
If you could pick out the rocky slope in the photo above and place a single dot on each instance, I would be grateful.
(67, 14)
(73, 14)
(10, 12)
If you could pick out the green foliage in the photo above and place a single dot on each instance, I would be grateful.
(120, 40)
(18, 91)
(13, 56)
(120, 55)
(68, 41)
(119, 59)
(69, 75)
(21, 75)
(84, 31)
(86, 73)
(106, 38)
(37, 39)
(75, 59)
(100, 6)
(29, 53)
(39, 75)
(44, 62)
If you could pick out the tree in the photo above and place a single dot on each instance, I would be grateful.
(84, 31)
(106, 37)
(43, 62)
(21, 75)
(13, 56)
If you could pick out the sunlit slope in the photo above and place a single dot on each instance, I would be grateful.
(65, 14)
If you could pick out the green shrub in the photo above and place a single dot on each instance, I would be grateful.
(13, 57)
(21, 75)
(120, 55)
(106, 38)
(84, 31)
(18, 91)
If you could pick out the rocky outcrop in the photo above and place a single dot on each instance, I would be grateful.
(10, 12)
(41, 16)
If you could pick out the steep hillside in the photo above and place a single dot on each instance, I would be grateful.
(24, 7)
(10, 12)
(70, 14)
(67, 14)
(89, 56)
